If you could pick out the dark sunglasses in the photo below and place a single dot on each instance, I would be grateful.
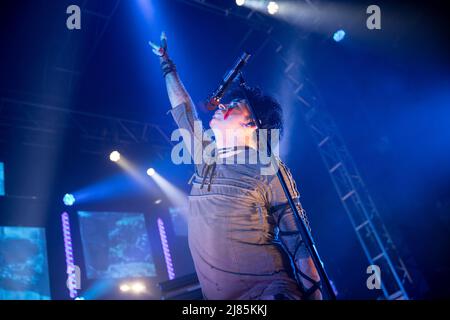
(233, 104)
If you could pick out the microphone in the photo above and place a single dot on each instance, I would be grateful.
(215, 98)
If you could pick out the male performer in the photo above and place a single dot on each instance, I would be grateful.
(242, 233)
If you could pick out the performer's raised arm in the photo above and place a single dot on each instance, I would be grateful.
(175, 88)
(183, 109)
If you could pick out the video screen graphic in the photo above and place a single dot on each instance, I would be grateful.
(179, 222)
(115, 245)
(23, 264)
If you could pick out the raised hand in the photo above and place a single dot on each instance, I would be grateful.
(160, 50)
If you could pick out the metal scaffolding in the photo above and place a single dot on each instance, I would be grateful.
(65, 65)
(371, 232)
(42, 125)
(35, 121)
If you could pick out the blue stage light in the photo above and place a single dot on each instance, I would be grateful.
(151, 172)
(272, 7)
(125, 287)
(136, 287)
(339, 35)
(114, 156)
(240, 2)
(68, 199)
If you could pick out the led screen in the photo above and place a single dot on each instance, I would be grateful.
(23, 264)
(178, 221)
(115, 245)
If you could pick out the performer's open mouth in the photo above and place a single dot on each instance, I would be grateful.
(227, 113)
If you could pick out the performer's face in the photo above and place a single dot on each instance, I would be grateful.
(231, 116)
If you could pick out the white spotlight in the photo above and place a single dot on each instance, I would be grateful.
(150, 172)
(125, 287)
(272, 7)
(138, 287)
(114, 156)
(240, 2)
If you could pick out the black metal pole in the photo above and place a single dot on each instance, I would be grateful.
(306, 236)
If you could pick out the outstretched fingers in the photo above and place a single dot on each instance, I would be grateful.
(163, 40)
(156, 49)
(161, 49)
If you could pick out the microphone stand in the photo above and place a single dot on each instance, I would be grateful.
(306, 236)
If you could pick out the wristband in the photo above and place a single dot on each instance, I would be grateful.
(167, 66)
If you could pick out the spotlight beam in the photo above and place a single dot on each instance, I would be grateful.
(176, 196)
(134, 172)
